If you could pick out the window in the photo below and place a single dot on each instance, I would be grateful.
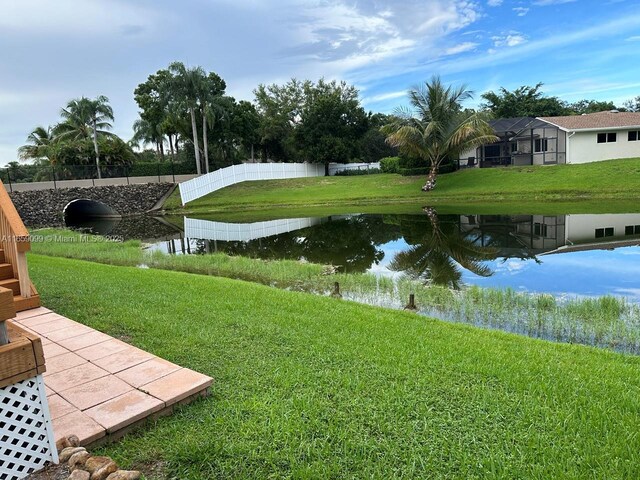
(541, 145)
(607, 137)
(604, 232)
(634, 135)
(540, 229)
(632, 230)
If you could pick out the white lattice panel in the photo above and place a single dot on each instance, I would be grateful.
(26, 435)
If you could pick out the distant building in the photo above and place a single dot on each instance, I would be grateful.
(555, 140)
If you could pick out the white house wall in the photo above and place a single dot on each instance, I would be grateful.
(582, 228)
(584, 147)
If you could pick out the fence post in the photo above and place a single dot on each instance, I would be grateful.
(158, 173)
(93, 178)
(9, 178)
(173, 172)
(126, 173)
(53, 172)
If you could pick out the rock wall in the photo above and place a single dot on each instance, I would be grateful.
(40, 208)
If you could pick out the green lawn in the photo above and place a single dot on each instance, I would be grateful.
(614, 180)
(312, 387)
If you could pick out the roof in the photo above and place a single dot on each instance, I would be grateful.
(600, 120)
(512, 127)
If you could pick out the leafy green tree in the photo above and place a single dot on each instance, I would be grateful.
(86, 118)
(331, 126)
(38, 145)
(591, 106)
(435, 128)
(633, 105)
(524, 101)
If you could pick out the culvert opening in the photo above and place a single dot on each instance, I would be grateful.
(91, 215)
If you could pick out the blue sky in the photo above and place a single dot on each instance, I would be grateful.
(53, 51)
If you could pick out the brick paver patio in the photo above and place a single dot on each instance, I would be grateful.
(97, 386)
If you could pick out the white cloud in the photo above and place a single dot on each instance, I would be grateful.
(510, 40)
(460, 48)
(68, 17)
(520, 11)
(494, 3)
(634, 38)
(387, 96)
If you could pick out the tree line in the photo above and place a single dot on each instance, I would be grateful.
(187, 116)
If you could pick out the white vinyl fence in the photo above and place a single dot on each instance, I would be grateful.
(205, 184)
(243, 232)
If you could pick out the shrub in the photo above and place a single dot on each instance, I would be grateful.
(390, 165)
(355, 171)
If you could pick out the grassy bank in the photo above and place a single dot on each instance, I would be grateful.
(614, 180)
(606, 322)
(312, 387)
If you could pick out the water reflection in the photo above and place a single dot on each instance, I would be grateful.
(438, 250)
(451, 250)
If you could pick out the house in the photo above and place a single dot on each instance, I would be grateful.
(555, 140)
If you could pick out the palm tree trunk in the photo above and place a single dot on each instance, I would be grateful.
(204, 141)
(196, 147)
(161, 142)
(171, 145)
(95, 147)
(431, 178)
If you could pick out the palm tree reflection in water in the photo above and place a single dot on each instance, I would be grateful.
(438, 250)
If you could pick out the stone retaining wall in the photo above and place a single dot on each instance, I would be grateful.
(45, 207)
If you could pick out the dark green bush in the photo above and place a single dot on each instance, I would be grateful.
(355, 171)
(390, 165)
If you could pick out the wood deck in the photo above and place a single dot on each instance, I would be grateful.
(99, 387)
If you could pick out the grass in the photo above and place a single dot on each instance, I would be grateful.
(613, 180)
(312, 387)
(606, 322)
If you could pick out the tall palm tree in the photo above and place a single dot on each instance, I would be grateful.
(435, 127)
(38, 145)
(86, 118)
(186, 90)
(145, 133)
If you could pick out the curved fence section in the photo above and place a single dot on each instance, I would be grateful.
(205, 184)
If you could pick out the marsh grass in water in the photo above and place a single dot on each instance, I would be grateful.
(607, 322)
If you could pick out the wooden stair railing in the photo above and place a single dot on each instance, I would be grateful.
(15, 243)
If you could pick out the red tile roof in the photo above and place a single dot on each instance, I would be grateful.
(602, 120)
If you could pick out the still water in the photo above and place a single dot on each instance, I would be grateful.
(564, 255)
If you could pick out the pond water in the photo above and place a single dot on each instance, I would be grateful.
(564, 255)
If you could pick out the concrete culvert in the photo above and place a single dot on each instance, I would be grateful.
(92, 215)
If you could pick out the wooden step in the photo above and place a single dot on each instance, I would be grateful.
(6, 271)
(22, 303)
(2, 260)
(11, 284)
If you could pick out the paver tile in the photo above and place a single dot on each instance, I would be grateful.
(124, 410)
(85, 340)
(71, 331)
(177, 385)
(52, 350)
(94, 392)
(102, 350)
(34, 312)
(80, 424)
(148, 371)
(74, 376)
(32, 322)
(127, 358)
(62, 362)
(59, 407)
